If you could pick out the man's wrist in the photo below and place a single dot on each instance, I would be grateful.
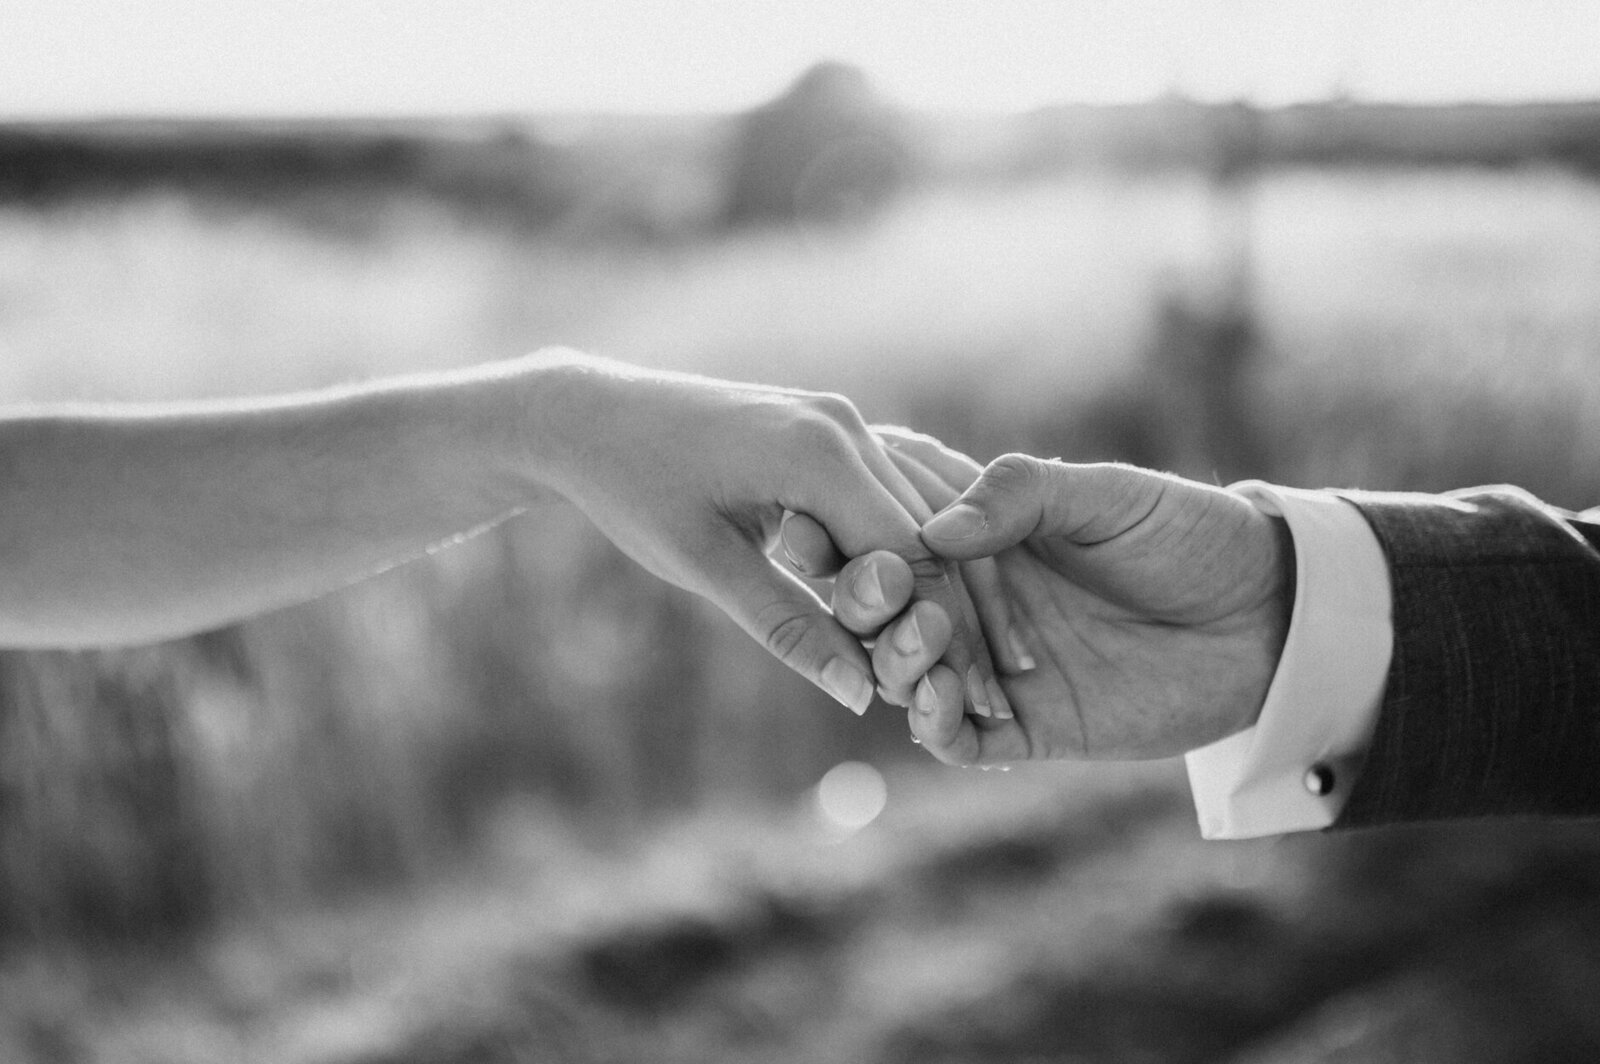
(1281, 607)
(1268, 626)
(1324, 696)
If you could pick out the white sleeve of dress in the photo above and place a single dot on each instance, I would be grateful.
(1293, 769)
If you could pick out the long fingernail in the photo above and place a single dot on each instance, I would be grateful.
(977, 693)
(927, 699)
(998, 699)
(866, 588)
(1019, 650)
(961, 521)
(907, 638)
(848, 684)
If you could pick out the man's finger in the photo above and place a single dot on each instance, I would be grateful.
(937, 720)
(1020, 496)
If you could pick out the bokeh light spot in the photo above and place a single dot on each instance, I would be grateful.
(851, 794)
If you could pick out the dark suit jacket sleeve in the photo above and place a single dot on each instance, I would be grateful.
(1492, 701)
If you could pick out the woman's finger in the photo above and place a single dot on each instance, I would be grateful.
(968, 653)
(808, 548)
(871, 591)
(788, 618)
(951, 466)
(937, 719)
(908, 648)
(981, 575)
(873, 506)
(958, 738)
(1007, 634)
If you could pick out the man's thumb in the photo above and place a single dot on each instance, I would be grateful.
(1019, 496)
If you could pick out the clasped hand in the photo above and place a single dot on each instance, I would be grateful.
(692, 477)
(1143, 615)
(1033, 609)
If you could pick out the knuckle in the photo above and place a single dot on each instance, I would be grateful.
(1013, 470)
(820, 437)
(895, 695)
(838, 408)
(894, 675)
(1134, 496)
(786, 635)
(928, 573)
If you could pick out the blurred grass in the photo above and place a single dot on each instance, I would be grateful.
(1424, 329)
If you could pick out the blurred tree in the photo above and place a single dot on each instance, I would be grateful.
(830, 148)
(336, 171)
(1206, 349)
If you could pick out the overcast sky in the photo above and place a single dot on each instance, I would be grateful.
(408, 56)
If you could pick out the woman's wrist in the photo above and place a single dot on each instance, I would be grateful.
(546, 418)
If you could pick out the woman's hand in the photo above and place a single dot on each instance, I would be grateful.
(693, 478)
(125, 524)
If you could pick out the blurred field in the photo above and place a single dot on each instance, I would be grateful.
(519, 802)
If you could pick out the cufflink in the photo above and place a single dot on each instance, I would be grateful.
(1320, 780)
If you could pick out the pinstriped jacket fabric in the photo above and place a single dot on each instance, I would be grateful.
(1492, 701)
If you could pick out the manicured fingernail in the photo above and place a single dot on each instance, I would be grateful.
(927, 699)
(977, 693)
(998, 699)
(1019, 650)
(907, 638)
(847, 684)
(783, 537)
(961, 521)
(866, 588)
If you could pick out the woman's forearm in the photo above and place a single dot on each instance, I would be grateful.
(131, 524)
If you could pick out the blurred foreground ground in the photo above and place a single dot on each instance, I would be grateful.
(1057, 914)
(519, 802)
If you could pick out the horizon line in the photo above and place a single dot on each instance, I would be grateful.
(601, 113)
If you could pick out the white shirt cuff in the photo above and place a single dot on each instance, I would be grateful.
(1323, 703)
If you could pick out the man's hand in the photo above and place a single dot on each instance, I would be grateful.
(1154, 607)
(692, 478)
